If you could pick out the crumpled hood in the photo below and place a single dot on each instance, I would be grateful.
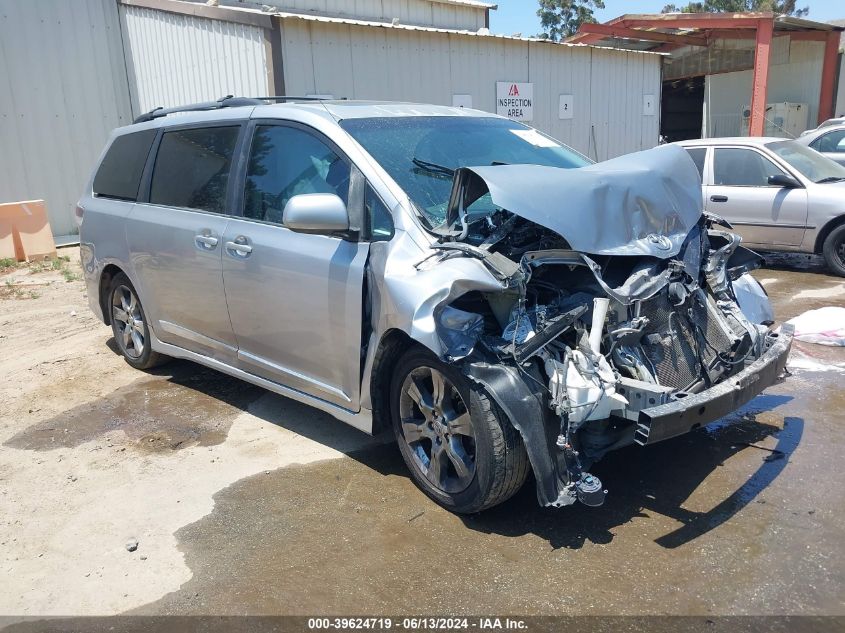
(639, 204)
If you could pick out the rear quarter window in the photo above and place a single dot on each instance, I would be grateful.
(119, 174)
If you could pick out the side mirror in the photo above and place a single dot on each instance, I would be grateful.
(782, 180)
(316, 213)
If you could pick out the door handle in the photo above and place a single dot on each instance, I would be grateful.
(206, 241)
(718, 198)
(239, 247)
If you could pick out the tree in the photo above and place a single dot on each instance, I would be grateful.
(778, 7)
(561, 18)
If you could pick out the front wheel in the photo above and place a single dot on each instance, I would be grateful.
(459, 446)
(129, 325)
(834, 250)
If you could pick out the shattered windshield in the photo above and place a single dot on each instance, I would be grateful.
(421, 153)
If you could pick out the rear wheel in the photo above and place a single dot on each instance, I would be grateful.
(834, 250)
(129, 325)
(460, 448)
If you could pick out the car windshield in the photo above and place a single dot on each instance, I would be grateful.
(809, 162)
(421, 153)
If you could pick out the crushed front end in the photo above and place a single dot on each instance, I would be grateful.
(614, 343)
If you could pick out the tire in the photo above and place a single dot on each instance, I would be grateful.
(834, 250)
(129, 325)
(482, 460)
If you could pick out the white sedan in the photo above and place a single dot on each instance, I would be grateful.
(778, 194)
(827, 140)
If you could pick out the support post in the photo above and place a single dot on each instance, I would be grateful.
(831, 52)
(763, 46)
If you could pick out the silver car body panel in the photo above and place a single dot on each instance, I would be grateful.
(295, 304)
(172, 265)
(772, 218)
(643, 203)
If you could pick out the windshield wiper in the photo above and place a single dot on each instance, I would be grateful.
(433, 168)
(830, 179)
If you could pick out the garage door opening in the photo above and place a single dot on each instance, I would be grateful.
(682, 109)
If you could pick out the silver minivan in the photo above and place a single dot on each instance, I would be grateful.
(483, 290)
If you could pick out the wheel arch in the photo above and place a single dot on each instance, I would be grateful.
(826, 230)
(109, 273)
(393, 344)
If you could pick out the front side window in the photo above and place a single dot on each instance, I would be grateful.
(120, 172)
(192, 168)
(735, 167)
(285, 162)
(379, 220)
(698, 154)
(832, 142)
(811, 164)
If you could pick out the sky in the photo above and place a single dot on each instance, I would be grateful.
(520, 16)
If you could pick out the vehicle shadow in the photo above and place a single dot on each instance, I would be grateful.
(797, 262)
(640, 480)
(656, 479)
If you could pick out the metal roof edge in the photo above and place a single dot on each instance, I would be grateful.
(808, 24)
(478, 4)
(227, 14)
(285, 15)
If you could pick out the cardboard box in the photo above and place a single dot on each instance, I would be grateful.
(30, 233)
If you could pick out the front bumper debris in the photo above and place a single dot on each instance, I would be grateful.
(683, 415)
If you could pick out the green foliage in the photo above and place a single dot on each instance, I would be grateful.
(778, 7)
(561, 18)
(69, 275)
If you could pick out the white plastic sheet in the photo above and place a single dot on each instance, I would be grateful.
(825, 326)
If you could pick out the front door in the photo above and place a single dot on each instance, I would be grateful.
(763, 214)
(295, 299)
(175, 240)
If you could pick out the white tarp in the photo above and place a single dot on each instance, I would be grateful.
(825, 326)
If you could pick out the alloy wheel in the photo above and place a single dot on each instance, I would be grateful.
(437, 427)
(129, 321)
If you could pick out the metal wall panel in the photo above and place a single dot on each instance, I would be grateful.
(62, 89)
(796, 80)
(176, 59)
(365, 62)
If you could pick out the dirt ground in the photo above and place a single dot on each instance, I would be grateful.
(244, 502)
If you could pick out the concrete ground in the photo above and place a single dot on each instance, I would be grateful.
(244, 502)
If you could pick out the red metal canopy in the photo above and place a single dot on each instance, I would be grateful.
(669, 31)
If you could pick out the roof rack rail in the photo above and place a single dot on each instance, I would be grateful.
(229, 101)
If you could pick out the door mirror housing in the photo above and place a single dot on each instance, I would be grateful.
(782, 180)
(316, 213)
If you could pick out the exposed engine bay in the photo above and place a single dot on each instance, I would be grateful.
(606, 345)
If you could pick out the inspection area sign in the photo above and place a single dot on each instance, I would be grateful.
(515, 100)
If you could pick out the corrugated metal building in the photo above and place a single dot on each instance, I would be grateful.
(63, 88)
(167, 52)
(173, 58)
